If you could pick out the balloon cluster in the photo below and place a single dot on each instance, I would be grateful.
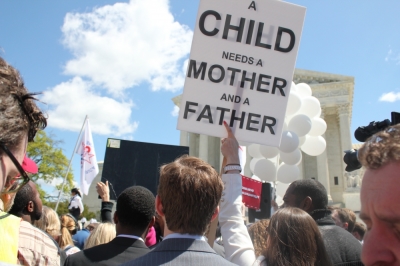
(302, 131)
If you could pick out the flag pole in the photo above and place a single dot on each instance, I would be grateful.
(70, 163)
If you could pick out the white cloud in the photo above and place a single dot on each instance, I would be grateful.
(390, 97)
(175, 111)
(123, 45)
(393, 56)
(71, 101)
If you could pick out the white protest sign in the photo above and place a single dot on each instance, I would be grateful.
(240, 69)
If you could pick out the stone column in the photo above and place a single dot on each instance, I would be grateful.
(343, 113)
(193, 144)
(322, 167)
(184, 139)
(203, 147)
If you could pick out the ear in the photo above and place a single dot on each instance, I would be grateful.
(30, 206)
(346, 225)
(215, 214)
(153, 220)
(159, 207)
(115, 218)
(307, 204)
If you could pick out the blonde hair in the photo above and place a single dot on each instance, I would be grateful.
(49, 222)
(258, 234)
(68, 226)
(103, 233)
(381, 148)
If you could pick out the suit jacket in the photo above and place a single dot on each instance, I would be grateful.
(181, 251)
(116, 252)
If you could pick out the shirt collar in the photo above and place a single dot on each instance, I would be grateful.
(178, 235)
(131, 236)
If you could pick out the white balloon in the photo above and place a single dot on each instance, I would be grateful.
(319, 113)
(318, 127)
(300, 124)
(293, 87)
(281, 188)
(304, 90)
(314, 146)
(289, 142)
(310, 106)
(288, 173)
(268, 152)
(302, 140)
(254, 151)
(279, 200)
(256, 178)
(265, 169)
(294, 103)
(293, 158)
(253, 163)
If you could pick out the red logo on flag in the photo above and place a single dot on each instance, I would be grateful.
(251, 192)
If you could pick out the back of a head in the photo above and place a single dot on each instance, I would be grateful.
(49, 222)
(350, 219)
(360, 229)
(19, 113)
(258, 234)
(135, 208)
(294, 239)
(103, 233)
(381, 149)
(311, 188)
(189, 190)
(22, 198)
(68, 228)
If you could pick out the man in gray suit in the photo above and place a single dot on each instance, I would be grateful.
(188, 195)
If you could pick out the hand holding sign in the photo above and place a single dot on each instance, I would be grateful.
(230, 147)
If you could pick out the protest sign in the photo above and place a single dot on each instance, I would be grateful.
(251, 192)
(240, 69)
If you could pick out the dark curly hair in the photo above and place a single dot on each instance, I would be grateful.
(135, 207)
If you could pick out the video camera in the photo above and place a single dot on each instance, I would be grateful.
(362, 134)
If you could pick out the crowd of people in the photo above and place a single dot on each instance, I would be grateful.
(171, 227)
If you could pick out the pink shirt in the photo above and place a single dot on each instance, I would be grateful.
(151, 237)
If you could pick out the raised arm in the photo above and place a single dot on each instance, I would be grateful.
(237, 243)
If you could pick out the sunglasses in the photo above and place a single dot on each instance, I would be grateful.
(16, 183)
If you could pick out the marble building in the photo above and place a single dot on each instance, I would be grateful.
(335, 93)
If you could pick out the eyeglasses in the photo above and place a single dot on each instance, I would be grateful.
(16, 183)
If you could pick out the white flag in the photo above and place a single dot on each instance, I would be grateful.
(89, 167)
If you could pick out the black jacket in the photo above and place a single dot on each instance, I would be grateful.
(342, 247)
(116, 252)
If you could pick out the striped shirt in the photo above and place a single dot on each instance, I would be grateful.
(35, 247)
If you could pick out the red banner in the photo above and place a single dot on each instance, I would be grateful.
(251, 192)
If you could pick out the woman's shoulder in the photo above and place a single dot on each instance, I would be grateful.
(260, 261)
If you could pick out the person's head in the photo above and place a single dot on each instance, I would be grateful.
(306, 194)
(69, 227)
(344, 218)
(27, 203)
(135, 211)
(258, 234)
(20, 119)
(49, 222)
(380, 195)
(359, 231)
(188, 195)
(103, 233)
(294, 239)
(75, 191)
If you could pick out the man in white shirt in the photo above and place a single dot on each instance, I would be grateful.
(75, 206)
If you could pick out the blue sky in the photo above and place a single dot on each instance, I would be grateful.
(122, 63)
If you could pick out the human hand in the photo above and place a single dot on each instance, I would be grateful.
(103, 190)
(230, 148)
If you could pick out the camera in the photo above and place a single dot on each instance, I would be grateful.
(362, 134)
